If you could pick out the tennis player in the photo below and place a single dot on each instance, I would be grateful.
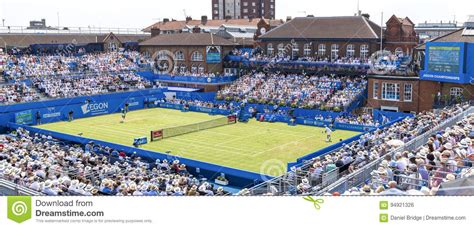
(328, 134)
(124, 114)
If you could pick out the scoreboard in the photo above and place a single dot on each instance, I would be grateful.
(448, 62)
(444, 59)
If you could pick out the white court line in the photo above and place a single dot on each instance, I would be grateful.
(283, 145)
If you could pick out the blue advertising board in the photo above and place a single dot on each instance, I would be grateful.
(446, 62)
(140, 141)
(24, 117)
(213, 54)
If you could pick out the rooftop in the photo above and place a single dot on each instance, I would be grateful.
(187, 39)
(342, 27)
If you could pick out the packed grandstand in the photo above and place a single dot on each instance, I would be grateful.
(415, 155)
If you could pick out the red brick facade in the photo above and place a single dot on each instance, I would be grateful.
(187, 61)
(423, 94)
(400, 35)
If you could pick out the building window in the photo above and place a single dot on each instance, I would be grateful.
(407, 92)
(391, 91)
(399, 51)
(200, 69)
(456, 91)
(364, 51)
(182, 68)
(322, 50)
(281, 49)
(375, 92)
(350, 51)
(194, 69)
(270, 49)
(246, 10)
(179, 55)
(196, 56)
(334, 51)
(295, 49)
(307, 49)
(112, 47)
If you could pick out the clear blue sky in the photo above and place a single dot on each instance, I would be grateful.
(140, 13)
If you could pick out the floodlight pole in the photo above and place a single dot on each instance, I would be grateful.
(381, 32)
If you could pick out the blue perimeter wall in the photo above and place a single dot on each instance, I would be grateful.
(83, 107)
(236, 177)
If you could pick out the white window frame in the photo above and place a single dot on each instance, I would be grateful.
(281, 48)
(307, 49)
(390, 91)
(364, 51)
(270, 49)
(194, 69)
(399, 51)
(321, 49)
(201, 69)
(334, 51)
(375, 91)
(295, 49)
(197, 56)
(350, 50)
(456, 91)
(179, 55)
(408, 92)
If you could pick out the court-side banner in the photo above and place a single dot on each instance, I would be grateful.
(308, 211)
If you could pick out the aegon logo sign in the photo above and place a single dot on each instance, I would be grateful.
(95, 108)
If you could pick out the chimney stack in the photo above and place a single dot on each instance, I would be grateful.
(155, 31)
(188, 19)
(288, 18)
(165, 20)
(197, 29)
(204, 19)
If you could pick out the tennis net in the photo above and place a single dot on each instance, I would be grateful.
(181, 130)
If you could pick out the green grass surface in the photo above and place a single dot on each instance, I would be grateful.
(254, 146)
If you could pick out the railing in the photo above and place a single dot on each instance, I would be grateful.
(337, 181)
(70, 30)
(10, 188)
(361, 175)
(199, 79)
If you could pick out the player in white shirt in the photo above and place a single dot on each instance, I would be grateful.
(328, 134)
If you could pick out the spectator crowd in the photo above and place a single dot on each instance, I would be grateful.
(43, 164)
(73, 86)
(17, 67)
(446, 156)
(297, 91)
(17, 92)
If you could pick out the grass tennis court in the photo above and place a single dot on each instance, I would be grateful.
(254, 146)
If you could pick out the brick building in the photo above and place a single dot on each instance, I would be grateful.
(413, 94)
(237, 9)
(400, 35)
(329, 37)
(102, 42)
(193, 52)
(334, 37)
